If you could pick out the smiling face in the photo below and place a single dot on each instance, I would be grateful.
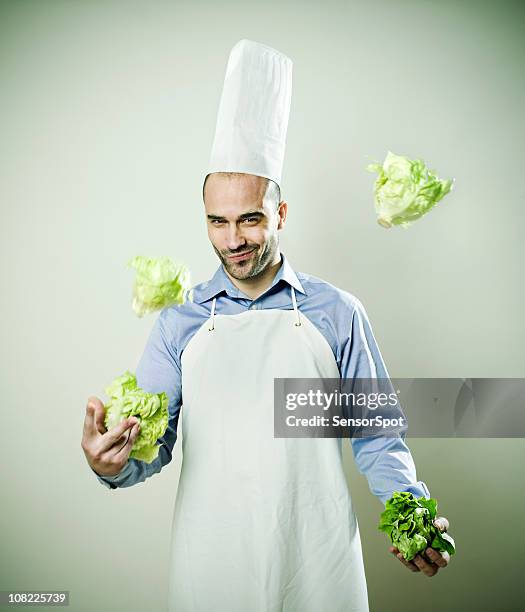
(243, 223)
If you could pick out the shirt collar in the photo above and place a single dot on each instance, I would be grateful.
(220, 282)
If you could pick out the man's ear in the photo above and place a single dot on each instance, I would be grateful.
(282, 211)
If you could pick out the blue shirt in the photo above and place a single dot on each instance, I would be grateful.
(340, 317)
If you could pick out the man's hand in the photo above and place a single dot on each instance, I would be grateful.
(434, 558)
(107, 451)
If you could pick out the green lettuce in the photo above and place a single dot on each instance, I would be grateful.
(409, 523)
(151, 409)
(405, 190)
(159, 282)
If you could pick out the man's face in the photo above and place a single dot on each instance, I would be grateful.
(242, 227)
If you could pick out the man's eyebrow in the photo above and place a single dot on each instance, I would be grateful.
(253, 213)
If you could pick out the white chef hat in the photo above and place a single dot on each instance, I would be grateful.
(250, 135)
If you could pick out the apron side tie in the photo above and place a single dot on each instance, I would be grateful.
(212, 315)
(298, 323)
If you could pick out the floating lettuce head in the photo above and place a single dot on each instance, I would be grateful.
(405, 190)
(159, 282)
(151, 409)
(409, 521)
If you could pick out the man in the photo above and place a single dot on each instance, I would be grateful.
(261, 523)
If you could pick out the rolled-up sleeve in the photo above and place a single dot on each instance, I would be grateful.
(386, 461)
(158, 370)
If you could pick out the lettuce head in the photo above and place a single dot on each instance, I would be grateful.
(159, 282)
(151, 409)
(409, 521)
(405, 190)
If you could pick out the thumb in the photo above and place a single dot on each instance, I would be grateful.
(125, 449)
(441, 523)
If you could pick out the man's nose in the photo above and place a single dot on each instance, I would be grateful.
(235, 238)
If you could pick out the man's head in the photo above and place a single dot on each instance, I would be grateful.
(243, 215)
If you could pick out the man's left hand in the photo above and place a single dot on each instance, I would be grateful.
(434, 559)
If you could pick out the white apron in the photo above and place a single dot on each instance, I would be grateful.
(261, 524)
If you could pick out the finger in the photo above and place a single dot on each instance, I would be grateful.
(114, 433)
(100, 413)
(427, 568)
(437, 557)
(441, 523)
(89, 421)
(125, 450)
(90, 428)
(409, 564)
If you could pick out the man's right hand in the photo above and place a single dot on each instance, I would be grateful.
(106, 450)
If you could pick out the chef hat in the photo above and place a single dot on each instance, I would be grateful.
(250, 135)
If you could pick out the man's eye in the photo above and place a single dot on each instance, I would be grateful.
(250, 219)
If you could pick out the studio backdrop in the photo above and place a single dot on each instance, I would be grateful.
(107, 114)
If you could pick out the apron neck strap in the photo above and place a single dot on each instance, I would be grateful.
(212, 327)
(294, 301)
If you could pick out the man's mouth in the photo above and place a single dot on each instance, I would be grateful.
(240, 256)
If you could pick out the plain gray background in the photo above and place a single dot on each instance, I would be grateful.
(107, 116)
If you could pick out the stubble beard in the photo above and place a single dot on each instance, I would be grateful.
(253, 266)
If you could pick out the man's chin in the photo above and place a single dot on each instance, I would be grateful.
(241, 270)
(238, 272)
